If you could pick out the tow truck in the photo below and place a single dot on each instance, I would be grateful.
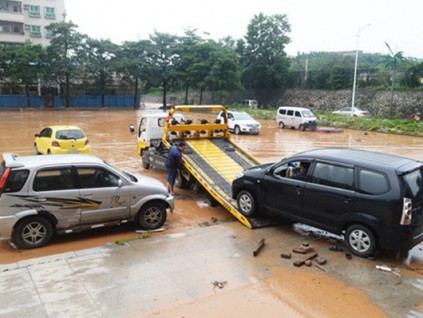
(211, 159)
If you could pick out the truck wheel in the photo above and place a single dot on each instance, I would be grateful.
(32, 232)
(301, 127)
(180, 181)
(152, 215)
(360, 240)
(246, 203)
(281, 125)
(237, 130)
(145, 163)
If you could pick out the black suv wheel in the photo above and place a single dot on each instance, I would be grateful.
(246, 203)
(360, 240)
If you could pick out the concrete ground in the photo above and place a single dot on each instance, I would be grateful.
(206, 272)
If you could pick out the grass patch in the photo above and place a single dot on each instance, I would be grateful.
(139, 237)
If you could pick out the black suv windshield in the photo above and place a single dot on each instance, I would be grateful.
(414, 182)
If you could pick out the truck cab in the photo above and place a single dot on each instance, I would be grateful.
(151, 129)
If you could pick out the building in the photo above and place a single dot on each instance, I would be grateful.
(26, 21)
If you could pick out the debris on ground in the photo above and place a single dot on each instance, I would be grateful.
(259, 247)
(320, 260)
(319, 268)
(302, 262)
(218, 284)
(348, 255)
(286, 255)
(335, 248)
(303, 249)
(387, 269)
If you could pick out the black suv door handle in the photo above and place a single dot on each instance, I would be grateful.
(298, 189)
(347, 199)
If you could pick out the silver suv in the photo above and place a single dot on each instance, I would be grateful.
(40, 196)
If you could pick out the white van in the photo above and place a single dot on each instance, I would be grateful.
(250, 103)
(296, 117)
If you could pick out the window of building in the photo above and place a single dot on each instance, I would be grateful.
(34, 11)
(35, 30)
(49, 33)
(49, 13)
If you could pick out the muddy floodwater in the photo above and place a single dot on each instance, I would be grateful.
(110, 139)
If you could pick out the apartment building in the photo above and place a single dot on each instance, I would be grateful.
(26, 21)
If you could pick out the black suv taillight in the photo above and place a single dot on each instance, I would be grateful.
(407, 212)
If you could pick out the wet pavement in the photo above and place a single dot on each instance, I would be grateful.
(182, 272)
(164, 275)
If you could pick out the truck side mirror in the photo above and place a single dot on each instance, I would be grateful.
(131, 128)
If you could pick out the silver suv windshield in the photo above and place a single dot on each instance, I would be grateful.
(126, 174)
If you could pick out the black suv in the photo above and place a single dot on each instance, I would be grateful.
(374, 199)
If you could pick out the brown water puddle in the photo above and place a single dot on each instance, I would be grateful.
(285, 294)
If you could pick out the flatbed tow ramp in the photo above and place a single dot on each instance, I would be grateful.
(214, 160)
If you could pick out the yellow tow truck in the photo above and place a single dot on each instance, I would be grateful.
(210, 160)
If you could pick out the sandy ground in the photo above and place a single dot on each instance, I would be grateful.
(303, 295)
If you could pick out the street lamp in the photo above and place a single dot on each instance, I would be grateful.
(355, 66)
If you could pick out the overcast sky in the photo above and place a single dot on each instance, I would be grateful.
(316, 25)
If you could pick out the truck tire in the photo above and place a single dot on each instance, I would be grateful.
(180, 181)
(145, 163)
(281, 125)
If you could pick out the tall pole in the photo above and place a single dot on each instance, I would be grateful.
(355, 67)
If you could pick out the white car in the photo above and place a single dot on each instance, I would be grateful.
(240, 122)
(350, 111)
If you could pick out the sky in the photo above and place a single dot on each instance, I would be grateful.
(316, 25)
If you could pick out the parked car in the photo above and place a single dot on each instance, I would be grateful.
(296, 117)
(250, 103)
(61, 139)
(350, 111)
(375, 200)
(240, 122)
(71, 193)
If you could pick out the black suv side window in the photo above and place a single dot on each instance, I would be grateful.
(15, 181)
(96, 177)
(372, 182)
(54, 179)
(333, 176)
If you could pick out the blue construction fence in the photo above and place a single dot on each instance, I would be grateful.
(83, 101)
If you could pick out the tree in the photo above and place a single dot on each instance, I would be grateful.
(225, 71)
(164, 56)
(135, 63)
(100, 66)
(393, 61)
(186, 59)
(64, 54)
(23, 65)
(262, 53)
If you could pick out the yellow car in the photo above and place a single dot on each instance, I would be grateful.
(61, 139)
